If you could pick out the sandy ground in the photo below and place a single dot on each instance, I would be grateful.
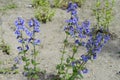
(105, 67)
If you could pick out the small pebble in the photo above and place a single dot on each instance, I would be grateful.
(29, 6)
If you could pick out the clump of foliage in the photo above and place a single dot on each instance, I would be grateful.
(43, 11)
(44, 14)
(5, 48)
(37, 3)
(8, 6)
(8, 71)
(63, 3)
(103, 13)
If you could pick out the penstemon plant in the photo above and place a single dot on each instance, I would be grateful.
(26, 36)
(72, 68)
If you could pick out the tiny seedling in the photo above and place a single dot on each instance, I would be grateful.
(8, 7)
(5, 48)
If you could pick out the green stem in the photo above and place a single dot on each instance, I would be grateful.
(83, 63)
(63, 51)
(34, 49)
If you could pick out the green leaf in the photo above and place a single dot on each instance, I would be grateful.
(98, 4)
(35, 76)
(25, 59)
(67, 32)
(80, 75)
(34, 62)
(74, 49)
(36, 53)
(68, 60)
(27, 63)
(23, 52)
(58, 67)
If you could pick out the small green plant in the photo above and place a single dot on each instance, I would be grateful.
(37, 3)
(44, 14)
(5, 48)
(9, 6)
(63, 3)
(43, 11)
(103, 13)
(57, 3)
(8, 71)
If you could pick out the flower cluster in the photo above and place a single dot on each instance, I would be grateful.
(20, 27)
(26, 36)
(73, 21)
(95, 40)
(73, 28)
(95, 44)
(72, 8)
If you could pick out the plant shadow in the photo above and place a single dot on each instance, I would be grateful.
(50, 76)
(113, 48)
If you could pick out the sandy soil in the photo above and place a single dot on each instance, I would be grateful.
(105, 67)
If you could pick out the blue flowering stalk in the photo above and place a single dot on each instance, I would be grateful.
(70, 30)
(26, 36)
(72, 68)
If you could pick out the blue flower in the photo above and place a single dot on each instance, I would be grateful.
(37, 23)
(83, 44)
(72, 8)
(30, 39)
(18, 60)
(85, 70)
(17, 32)
(29, 33)
(82, 35)
(19, 23)
(27, 47)
(71, 31)
(72, 20)
(77, 42)
(73, 64)
(84, 58)
(86, 24)
(94, 56)
(87, 31)
(36, 42)
(106, 38)
(79, 29)
(21, 41)
(33, 22)
(36, 29)
(19, 48)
